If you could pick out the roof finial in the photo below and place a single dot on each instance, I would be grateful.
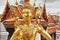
(16, 2)
(34, 2)
(44, 15)
(44, 2)
(39, 6)
(6, 0)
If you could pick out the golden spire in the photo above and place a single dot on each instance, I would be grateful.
(34, 2)
(7, 0)
(39, 7)
(16, 2)
(45, 2)
(57, 17)
(39, 10)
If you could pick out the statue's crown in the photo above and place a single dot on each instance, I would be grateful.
(26, 0)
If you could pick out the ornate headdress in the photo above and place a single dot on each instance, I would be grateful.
(26, 0)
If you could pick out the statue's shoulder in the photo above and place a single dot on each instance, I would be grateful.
(35, 25)
(19, 27)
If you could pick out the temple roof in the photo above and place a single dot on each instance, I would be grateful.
(51, 19)
(7, 13)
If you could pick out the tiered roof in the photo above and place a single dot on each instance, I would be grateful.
(7, 12)
(10, 12)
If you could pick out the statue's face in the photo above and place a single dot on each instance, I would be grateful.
(27, 15)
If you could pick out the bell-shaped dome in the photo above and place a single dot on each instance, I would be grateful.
(2, 28)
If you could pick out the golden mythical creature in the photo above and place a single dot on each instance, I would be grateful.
(28, 31)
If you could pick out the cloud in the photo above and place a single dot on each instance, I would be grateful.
(51, 0)
(53, 7)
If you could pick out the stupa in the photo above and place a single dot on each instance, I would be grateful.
(3, 33)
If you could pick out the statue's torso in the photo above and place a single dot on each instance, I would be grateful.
(27, 33)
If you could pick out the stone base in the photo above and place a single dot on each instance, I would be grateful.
(58, 35)
(38, 36)
(4, 35)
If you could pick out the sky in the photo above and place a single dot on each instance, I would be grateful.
(52, 6)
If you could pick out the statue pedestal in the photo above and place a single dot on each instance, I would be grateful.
(3, 33)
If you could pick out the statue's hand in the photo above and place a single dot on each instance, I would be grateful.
(44, 33)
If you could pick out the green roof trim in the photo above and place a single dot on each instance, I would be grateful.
(45, 25)
(8, 25)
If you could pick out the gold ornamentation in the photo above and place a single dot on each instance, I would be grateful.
(28, 30)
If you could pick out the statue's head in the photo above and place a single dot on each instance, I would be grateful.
(27, 14)
(27, 11)
(26, 0)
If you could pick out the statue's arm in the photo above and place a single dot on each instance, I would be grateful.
(15, 34)
(44, 33)
(16, 25)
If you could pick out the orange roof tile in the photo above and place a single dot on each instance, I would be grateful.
(51, 20)
(17, 12)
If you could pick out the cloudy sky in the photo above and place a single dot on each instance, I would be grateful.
(52, 6)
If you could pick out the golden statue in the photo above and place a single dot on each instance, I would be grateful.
(28, 31)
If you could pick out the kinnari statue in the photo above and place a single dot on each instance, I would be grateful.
(28, 31)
